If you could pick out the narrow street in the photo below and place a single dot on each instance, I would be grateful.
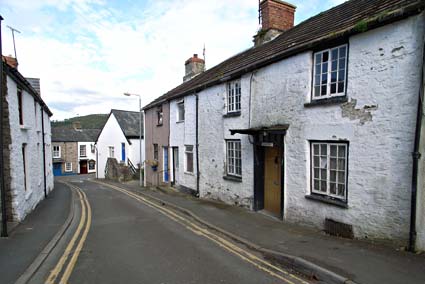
(123, 238)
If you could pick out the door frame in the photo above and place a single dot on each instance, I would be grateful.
(260, 145)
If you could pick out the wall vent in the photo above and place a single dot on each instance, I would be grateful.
(335, 228)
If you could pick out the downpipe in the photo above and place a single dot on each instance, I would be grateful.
(44, 151)
(197, 145)
(2, 187)
(416, 155)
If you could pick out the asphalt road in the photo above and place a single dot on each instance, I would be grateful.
(131, 242)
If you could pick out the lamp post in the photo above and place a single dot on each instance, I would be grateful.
(140, 135)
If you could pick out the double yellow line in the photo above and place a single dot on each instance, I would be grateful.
(225, 244)
(73, 250)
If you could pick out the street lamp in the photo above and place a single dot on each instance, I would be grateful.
(140, 135)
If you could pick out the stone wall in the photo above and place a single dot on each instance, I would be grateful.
(116, 171)
(378, 121)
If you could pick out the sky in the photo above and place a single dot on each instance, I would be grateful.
(87, 53)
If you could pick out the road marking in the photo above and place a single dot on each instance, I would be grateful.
(236, 250)
(84, 219)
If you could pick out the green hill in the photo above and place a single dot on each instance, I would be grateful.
(91, 121)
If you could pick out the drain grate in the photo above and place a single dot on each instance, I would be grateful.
(335, 228)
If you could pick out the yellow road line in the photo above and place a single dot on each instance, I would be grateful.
(58, 268)
(245, 255)
(74, 258)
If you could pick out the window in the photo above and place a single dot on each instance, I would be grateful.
(92, 165)
(56, 151)
(329, 169)
(20, 108)
(111, 152)
(234, 158)
(35, 114)
(234, 96)
(180, 111)
(68, 167)
(93, 147)
(159, 115)
(330, 69)
(83, 151)
(188, 151)
(155, 152)
(24, 164)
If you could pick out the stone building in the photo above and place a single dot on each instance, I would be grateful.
(119, 139)
(27, 167)
(316, 124)
(73, 150)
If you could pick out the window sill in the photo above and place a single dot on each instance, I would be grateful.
(24, 127)
(327, 200)
(232, 178)
(232, 114)
(180, 121)
(189, 173)
(327, 101)
(158, 125)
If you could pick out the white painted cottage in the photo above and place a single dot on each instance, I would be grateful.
(316, 124)
(26, 139)
(119, 139)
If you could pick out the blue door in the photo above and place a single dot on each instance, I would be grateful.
(165, 164)
(57, 169)
(123, 152)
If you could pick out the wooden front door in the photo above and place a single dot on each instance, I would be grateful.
(273, 180)
(83, 167)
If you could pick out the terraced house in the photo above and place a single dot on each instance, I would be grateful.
(26, 168)
(315, 124)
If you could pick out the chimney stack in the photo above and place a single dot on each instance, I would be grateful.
(12, 62)
(276, 17)
(193, 67)
(76, 125)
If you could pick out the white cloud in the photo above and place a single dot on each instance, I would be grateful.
(87, 53)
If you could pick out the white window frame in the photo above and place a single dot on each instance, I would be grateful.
(186, 153)
(66, 167)
(234, 95)
(85, 150)
(179, 117)
(111, 152)
(59, 152)
(336, 169)
(233, 154)
(329, 73)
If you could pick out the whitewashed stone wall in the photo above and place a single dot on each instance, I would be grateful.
(214, 130)
(183, 133)
(24, 201)
(134, 151)
(112, 135)
(383, 84)
(89, 155)
(383, 80)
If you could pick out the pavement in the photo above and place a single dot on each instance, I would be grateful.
(28, 239)
(360, 261)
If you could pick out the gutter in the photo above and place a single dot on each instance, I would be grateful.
(197, 145)
(416, 156)
(44, 151)
(2, 187)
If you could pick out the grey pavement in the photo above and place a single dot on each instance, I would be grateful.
(361, 261)
(28, 239)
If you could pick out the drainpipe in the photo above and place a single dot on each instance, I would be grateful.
(197, 145)
(416, 156)
(44, 151)
(2, 188)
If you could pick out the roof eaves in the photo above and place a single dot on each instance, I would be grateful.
(371, 23)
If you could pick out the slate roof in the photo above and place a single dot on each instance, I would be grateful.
(60, 134)
(129, 122)
(351, 17)
(17, 77)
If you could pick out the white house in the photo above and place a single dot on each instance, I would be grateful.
(316, 124)
(119, 139)
(27, 156)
